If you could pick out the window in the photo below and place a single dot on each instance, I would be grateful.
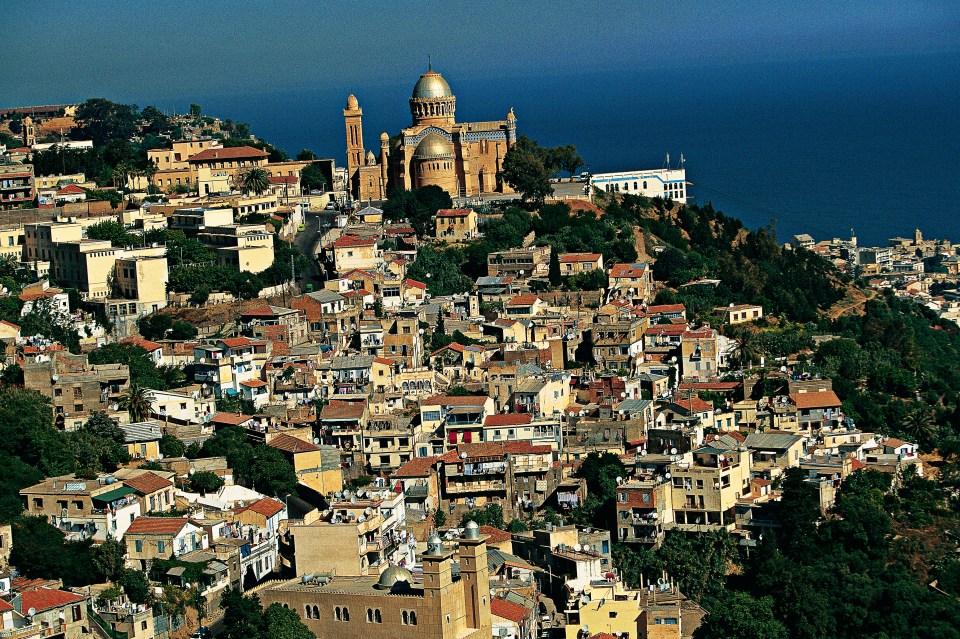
(37, 502)
(161, 546)
(77, 613)
(308, 613)
(138, 544)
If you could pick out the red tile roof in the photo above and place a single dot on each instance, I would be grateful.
(567, 258)
(291, 444)
(666, 308)
(523, 300)
(236, 342)
(453, 212)
(231, 419)
(4, 606)
(147, 483)
(156, 525)
(45, 599)
(342, 410)
(495, 534)
(347, 241)
(667, 329)
(627, 270)
(145, 344)
(417, 467)
(10, 324)
(415, 284)
(71, 189)
(508, 610)
(823, 399)
(268, 507)
(253, 383)
(283, 179)
(229, 153)
(508, 419)
(383, 360)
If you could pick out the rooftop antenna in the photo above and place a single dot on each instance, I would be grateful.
(429, 63)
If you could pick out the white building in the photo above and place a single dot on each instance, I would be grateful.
(666, 183)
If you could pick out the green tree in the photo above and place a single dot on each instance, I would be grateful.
(737, 614)
(41, 551)
(255, 180)
(170, 446)
(205, 482)
(307, 155)
(113, 231)
(108, 559)
(439, 518)
(136, 400)
(135, 585)
(556, 279)
(526, 173)
(440, 271)
(103, 121)
(313, 179)
(195, 111)
(567, 158)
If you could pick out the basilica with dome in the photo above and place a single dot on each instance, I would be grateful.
(462, 158)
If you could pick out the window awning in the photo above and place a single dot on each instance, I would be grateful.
(113, 495)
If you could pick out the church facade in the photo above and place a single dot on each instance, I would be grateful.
(462, 158)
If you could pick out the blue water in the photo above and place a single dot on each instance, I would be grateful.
(820, 147)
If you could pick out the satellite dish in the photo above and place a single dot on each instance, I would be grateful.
(673, 451)
(316, 440)
(578, 547)
(667, 475)
(192, 471)
(619, 480)
(338, 494)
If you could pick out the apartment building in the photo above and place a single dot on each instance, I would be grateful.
(706, 489)
(520, 263)
(16, 185)
(456, 225)
(644, 509)
(618, 345)
(576, 263)
(149, 538)
(631, 281)
(97, 509)
(76, 387)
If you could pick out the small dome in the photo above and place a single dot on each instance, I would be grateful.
(471, 530)
(510, 116)
(433, 147)
(432, 85)
(384, 137)
(371, 158)
(352, 102)
(28, 120)
(395, 577)
(434, 545)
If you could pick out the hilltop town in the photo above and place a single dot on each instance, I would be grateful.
(441, 387)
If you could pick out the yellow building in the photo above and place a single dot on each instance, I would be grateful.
(441, 606)
(575, 263)
(11, 243)
(462, 158)
(456, 225)
(143, 279)
(315, 466)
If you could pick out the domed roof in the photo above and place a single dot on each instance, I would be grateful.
(471, 530)
(432, 85)
(434, 146)
(352, 102)
(393, 577)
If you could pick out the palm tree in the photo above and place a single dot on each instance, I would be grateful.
(746, 349)
(921, 424)
(136, 400)
(255, 180)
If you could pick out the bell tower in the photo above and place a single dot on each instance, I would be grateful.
(355, 156)
(476, 579)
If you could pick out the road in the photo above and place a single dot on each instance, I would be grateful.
(306, 240)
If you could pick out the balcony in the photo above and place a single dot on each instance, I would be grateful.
(23, 632)
(468, 488)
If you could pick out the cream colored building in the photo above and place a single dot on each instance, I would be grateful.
(456, 225)
(177, 157)
(246, 246)
(706, 490)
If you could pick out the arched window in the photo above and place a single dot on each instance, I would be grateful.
(634, 186)
(307, 613)
(337, 614)
(405, 618)
(369, 615)
(376, 616)
(316, 612)
(346, 614)
(644, 184)
(413, 617)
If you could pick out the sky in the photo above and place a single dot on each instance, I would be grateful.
(138, 51)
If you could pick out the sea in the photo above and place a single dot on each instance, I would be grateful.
(869, 147)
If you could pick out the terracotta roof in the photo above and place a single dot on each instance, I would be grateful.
(856, 464)
(268, 507)
(453, 212)
(145, 344)
(508, 419)
(254, 383)
(71, 189)
(667, 329)
(260, 311)
(455, 400)
(697, 404)
(627, 270)
(342, 410)
(523, 300)
(496, 535)
(45, 599)
(508, 610)
(823, 399)
(147, 483)
(10, 324)
(235, 342)
(666, 308)
(701, 333)
(4, 606)
(415, 284)
(291, 444)
(893, 442)
(567, 258)
(710, 386)
(230, 418)
(417, 467)
(283, 179)
(346, 241)
(157, 525)
(229, 153)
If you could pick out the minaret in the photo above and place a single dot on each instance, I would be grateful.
(437, 577)
(355, 155)
(29, 132)
(384, 158)
(475, 575)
